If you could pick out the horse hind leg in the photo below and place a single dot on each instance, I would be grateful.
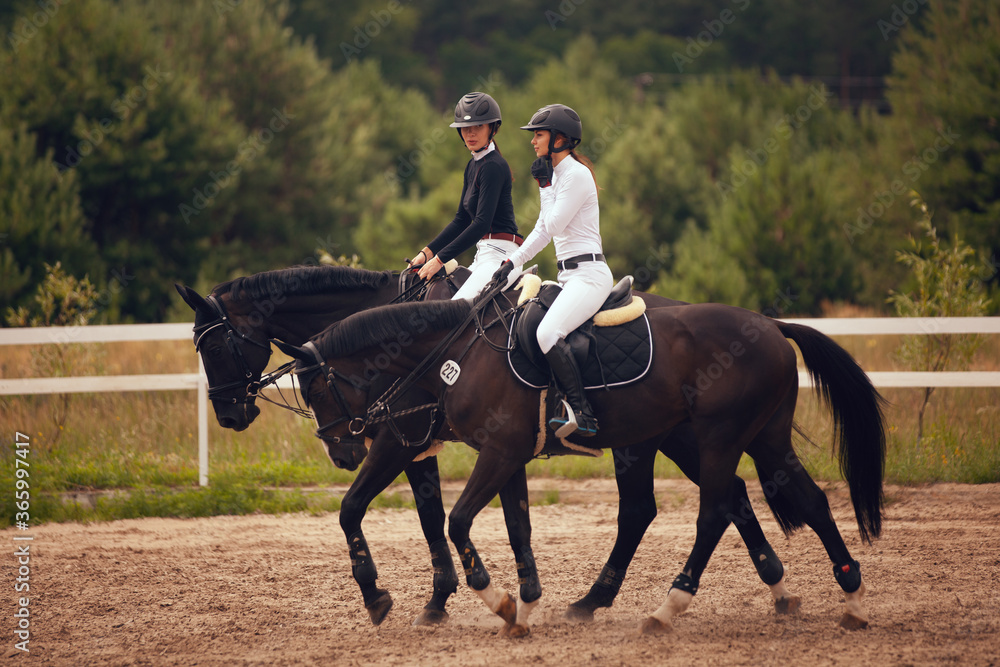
(796, 499)
(769, 567)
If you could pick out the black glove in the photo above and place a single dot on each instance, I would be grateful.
(541, 170)
(500, 277)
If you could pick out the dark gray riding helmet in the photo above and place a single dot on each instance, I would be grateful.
(558, 118)
(477, 109)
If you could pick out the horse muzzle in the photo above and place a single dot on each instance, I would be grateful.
(237, 416)
(346, 453)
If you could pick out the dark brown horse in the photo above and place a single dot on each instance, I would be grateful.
(727, 373)
(232, 328)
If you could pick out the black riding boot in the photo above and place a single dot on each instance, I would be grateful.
(567, 374)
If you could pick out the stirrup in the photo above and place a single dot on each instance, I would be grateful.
(565, 426)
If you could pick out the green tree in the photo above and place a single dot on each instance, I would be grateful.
(96, 85)
(945, 92)
(40, 218)
(946, 285)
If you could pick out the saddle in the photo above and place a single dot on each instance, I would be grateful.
(613, 348)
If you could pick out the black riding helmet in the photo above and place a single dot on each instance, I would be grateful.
(477, 109)
(558, 118)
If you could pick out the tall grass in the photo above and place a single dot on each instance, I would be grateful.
(146, 442)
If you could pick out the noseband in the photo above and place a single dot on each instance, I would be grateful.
(251, 386)
(356, 425)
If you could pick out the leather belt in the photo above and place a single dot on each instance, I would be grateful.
(573, 262)
(514, 238)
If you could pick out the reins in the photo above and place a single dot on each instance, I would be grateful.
(381, 410)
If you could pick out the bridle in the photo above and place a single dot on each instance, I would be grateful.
(380, 410)
(356, 425)
(250, 385)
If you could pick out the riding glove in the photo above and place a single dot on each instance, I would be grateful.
(500, 277)
(541, 170)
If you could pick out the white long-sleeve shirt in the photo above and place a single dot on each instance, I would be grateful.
(569, 215)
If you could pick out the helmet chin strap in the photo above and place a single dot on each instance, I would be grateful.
(568, 146)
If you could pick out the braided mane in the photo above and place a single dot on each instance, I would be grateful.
(386, 324)
(302, 281)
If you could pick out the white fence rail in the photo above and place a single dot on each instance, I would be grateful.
(862, 326)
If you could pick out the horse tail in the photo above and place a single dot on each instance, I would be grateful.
(859, 422)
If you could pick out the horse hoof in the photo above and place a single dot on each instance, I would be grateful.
(431, 617)
(578, 614)
(789, 605)
(654, 626)
(508, 609)
(379, 609)
(851, 622)
(514, 631)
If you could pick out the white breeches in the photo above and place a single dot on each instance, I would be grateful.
(584, 289)
(489, 254)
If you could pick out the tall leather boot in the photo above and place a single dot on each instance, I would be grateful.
(581, 421)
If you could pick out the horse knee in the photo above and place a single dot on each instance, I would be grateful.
(352, 511)
(637, 514)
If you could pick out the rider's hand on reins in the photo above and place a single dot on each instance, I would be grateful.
(430, 268)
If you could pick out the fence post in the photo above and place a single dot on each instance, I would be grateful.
(202, 424)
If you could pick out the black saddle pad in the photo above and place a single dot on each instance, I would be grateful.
(617, 356)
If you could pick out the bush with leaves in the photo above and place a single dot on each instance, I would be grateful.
(947, 285)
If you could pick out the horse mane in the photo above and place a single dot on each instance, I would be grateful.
(386, 324)
(302, 281)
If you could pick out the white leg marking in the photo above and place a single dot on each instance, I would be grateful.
(524, 609)
(780, 590)
(492, 597)
(676, 604)
(855, 602)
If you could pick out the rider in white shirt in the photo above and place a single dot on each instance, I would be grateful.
(570, 217)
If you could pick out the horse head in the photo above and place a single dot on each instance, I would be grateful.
(338, 403)
(234, 354)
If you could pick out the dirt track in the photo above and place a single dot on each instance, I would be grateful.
(266, 590)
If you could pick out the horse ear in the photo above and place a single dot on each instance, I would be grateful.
(294, 351)
(193, 299)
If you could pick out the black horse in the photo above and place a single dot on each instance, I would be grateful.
(232, 329)
(747, 406)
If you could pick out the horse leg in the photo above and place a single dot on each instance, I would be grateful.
(636, 510)
(382, 465)
(804, 501)
(514, 499)
(683, 450)
(425, 482)
(717, 469)
(490, 474)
